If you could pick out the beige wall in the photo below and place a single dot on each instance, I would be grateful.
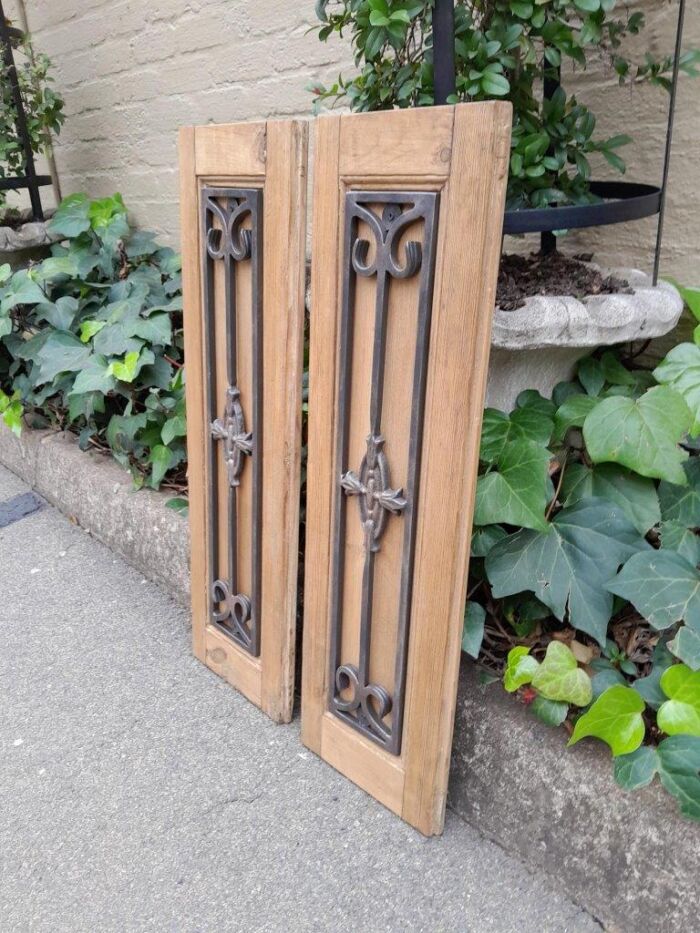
(132, 72)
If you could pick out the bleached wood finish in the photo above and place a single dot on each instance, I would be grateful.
(271, 157)
(462, 154)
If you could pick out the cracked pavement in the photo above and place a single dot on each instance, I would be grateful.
(138, 792)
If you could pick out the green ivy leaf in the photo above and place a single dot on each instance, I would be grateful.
(483, 539)
(94, 376)
(649, 688)
(515, 493)
(161, 459)
(686, 647)
(60, 314)
(682, 503)
(71, 217)
(635, 495)
(499, 430)
(616, 719)
(560, 678)
(551, 712)
(679, 770)
(642, 434)
(681, 371)
(573, 412)
(567, 566)
(680, 714)
(682, 540)
(174, 427)
(636, 769)
(125, 370)
(62, 352)
(473, 634)
(520, 668)
(602, 679)
(102, 210)
(590, 375)
(21, 290)
(88, 329)
(178, 504)
(662, 586)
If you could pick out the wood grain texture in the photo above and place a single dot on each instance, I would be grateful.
(325, 287)
(271, 156)
(233, 150)
(283, 334)
(462, 152)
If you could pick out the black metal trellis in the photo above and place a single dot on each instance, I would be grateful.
(620, 201)
(30, 180)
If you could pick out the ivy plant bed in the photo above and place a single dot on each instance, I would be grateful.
(584, 592)
(91, 341)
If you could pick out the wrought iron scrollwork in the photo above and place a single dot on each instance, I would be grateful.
(377, 500)
(228, 240)
(370, 707)
(231, 430)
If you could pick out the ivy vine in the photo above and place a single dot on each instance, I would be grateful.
(585, 560)
(91, 341)
(504, 49)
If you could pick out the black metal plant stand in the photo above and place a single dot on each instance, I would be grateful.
(30, 180)
(620, 201)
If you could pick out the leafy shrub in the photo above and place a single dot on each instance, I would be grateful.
(503, 49)
(91, 340)
(585, 560)
(43, 109)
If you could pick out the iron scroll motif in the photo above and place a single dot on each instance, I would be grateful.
(376, 499)
(369, 707)
(231, 430)
(229, 241)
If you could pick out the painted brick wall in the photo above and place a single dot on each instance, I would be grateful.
(133, 72)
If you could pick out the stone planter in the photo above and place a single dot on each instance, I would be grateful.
(538, 345)
(29, 242)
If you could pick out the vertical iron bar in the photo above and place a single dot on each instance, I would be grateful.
(420, 373)
(347, 319)
(444, 75)
(20, 118)
(548, 241)
(257, 279)
(212, 473)
(669, 141)
(231, 342)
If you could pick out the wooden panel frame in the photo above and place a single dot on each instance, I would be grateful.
(461, 152)
(271, 156)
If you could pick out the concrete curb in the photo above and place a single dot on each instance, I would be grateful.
(629, 859)
(98, 495)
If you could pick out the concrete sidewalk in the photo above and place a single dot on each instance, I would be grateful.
(140, 793)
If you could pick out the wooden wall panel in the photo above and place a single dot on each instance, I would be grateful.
(408, 212)
(243, 194)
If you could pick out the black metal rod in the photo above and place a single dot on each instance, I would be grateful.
(444, 77)
(31, 183)
(552, 83)
(669, 141)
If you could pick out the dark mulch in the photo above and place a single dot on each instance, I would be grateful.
(554, 274)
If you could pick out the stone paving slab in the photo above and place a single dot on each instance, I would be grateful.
(140, 793)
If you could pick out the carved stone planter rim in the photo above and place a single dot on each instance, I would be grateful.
(29, 235)
(565, 321)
